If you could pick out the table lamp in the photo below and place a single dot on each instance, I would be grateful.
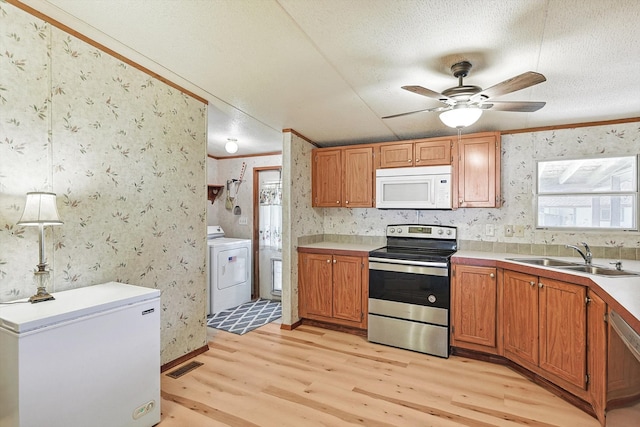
(40, 209)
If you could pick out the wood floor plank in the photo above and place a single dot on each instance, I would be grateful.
(315, 377)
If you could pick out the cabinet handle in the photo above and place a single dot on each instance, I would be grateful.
(337, 202)
(347, 202)
(409, 160)
(540, 285)
(492, 275)
(328, 261)
(334, 261)
(532, 283)
(460, 201)
(417, 160)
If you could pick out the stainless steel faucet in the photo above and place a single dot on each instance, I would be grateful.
(586, 255)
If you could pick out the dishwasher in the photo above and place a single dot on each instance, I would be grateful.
(623, 374)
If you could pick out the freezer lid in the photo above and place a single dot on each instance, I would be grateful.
(72, 304)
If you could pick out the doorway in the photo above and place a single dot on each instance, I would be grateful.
(267, 232)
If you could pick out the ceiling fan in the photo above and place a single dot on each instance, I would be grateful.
(464, 103)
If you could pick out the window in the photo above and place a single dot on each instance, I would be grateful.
(588, 193)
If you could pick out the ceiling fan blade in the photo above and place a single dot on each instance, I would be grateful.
(427, 92)
(418, 111)
(513, 84)
(523, 107)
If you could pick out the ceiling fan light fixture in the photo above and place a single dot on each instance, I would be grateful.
(460, 116)
(231, 146)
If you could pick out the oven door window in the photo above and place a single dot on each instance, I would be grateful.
(411, 288)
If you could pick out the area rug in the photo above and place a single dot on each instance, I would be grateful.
(246, 317)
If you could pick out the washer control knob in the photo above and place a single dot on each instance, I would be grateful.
(431, 298)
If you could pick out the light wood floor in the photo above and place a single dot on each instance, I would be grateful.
(316, 377)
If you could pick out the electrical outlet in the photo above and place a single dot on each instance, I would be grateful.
(242, 220)
(518, 231)
(489, 230)
(508, 231)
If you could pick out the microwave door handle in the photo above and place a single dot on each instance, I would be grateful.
(432, 182)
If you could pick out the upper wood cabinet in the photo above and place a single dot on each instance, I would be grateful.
(358, 177)
(474, 299)
(342, 177)
(421, 152)
(345, 176)
(326, 179)
(477, 171)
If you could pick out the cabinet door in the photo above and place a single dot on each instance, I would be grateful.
(597, 354)
(347, 287)
(563, 330)
(434, 152)
(520, 317)
(479, 172)
(326, 186)
(358, 177)
(315, 284)
(396, 155)
(474, 296)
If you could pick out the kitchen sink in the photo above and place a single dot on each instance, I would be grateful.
(599, 271)
(545, 262)
(574, 266)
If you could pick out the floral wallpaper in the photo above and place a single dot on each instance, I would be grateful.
(519, 155)
(125, 154)
(299, 218)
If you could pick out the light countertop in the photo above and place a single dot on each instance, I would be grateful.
(339, 246)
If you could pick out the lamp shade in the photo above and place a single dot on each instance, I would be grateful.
(460, 116)
(40, 209)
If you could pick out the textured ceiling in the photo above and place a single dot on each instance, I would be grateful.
(330, 69)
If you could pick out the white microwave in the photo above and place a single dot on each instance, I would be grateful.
(424, 187)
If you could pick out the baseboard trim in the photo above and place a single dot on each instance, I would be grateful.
(184, 358)
(290, 327)
(335, 327)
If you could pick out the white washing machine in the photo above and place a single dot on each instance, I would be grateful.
(228, 270)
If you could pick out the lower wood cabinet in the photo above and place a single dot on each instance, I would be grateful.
(545, 326)
(474, 297)
(333, 288)
(556, 330)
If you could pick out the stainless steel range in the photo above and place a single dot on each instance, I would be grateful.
(409, 288)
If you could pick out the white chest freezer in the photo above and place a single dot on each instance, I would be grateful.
(91, 357)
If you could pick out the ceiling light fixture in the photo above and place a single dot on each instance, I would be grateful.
(460, 116)
(231, 146)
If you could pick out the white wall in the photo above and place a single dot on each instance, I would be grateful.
(221, 170)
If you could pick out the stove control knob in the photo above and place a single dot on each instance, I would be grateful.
(399, 230)
(431, 298)
(392, 230)
(440, 231)
(448, 232)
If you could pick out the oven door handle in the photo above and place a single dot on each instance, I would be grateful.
(406, 262)
(428, 270)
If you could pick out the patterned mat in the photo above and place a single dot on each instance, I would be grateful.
(246, 317)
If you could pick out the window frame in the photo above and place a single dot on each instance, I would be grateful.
(634, 194)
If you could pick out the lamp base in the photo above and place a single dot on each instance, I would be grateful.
(41, 296)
